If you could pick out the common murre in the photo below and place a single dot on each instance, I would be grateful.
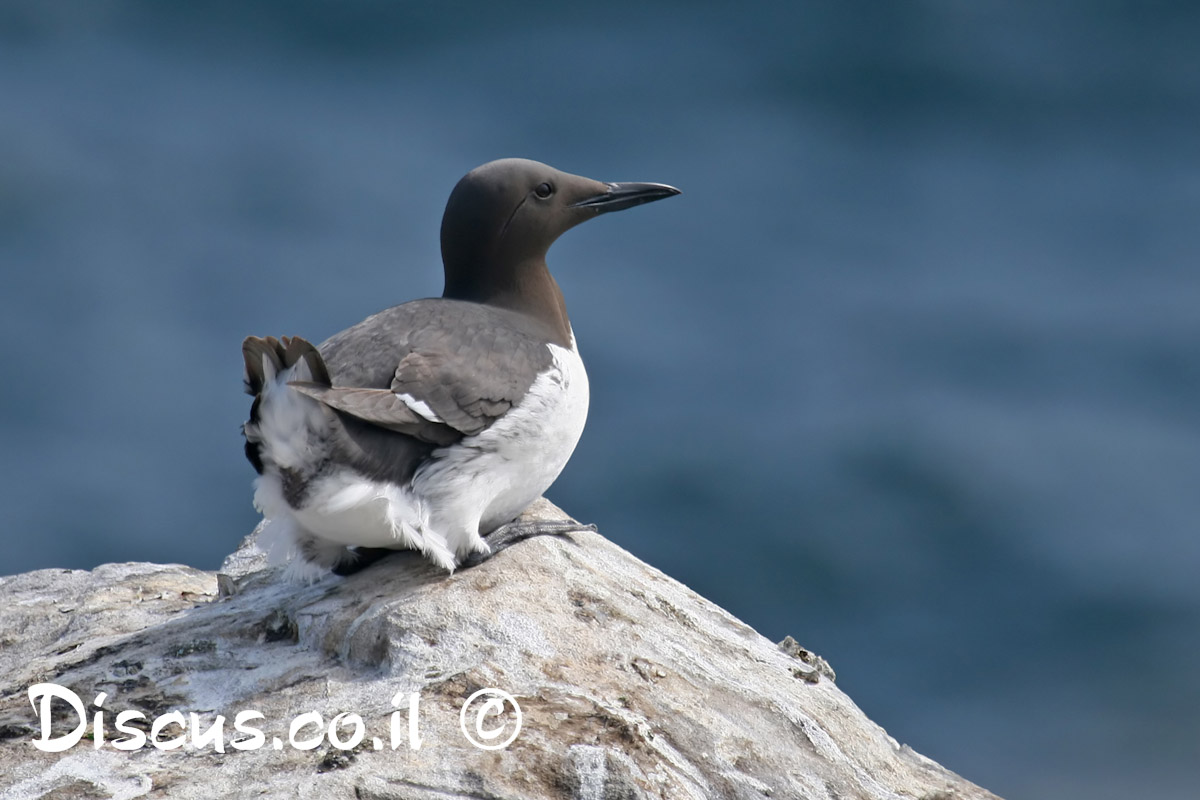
(433, 423)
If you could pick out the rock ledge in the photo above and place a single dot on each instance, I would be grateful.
(629, 684)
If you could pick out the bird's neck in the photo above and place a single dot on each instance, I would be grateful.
(527, 288)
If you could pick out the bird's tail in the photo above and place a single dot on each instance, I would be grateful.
(266, 358)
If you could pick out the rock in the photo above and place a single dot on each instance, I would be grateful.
(629, 686)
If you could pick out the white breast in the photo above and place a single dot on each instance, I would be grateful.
(485, 480)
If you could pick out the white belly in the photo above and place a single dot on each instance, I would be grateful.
(487, 479)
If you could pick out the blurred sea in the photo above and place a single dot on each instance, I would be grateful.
(911, 370)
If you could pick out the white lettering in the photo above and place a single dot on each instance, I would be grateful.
(360, 731)
(47, 692)
(98, 724)
(215, 734)
(494, 707)
(310, 718)
(162, 722)
(137, 739)
(414, 710)
(257, 739)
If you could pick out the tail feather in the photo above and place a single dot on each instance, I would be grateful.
(297, 350)
(266, 357)
(261, 356)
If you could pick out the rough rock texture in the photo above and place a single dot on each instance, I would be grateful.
(630, 685)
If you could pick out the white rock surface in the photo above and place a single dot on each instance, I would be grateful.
(630, 685)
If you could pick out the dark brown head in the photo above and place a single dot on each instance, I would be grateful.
(502, 217)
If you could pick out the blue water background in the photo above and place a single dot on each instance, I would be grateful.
(911, 370)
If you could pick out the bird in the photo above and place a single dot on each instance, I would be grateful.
(433, 424)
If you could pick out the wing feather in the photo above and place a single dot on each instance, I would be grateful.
(379, 407)
(467, 363)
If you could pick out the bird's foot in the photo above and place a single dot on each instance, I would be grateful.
(518, 531)
(358, 559)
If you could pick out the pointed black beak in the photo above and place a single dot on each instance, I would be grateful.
(620, 196)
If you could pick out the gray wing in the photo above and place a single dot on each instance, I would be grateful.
(381, 408)
(433, 369)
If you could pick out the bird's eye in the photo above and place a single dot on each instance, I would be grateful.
(544, 190)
